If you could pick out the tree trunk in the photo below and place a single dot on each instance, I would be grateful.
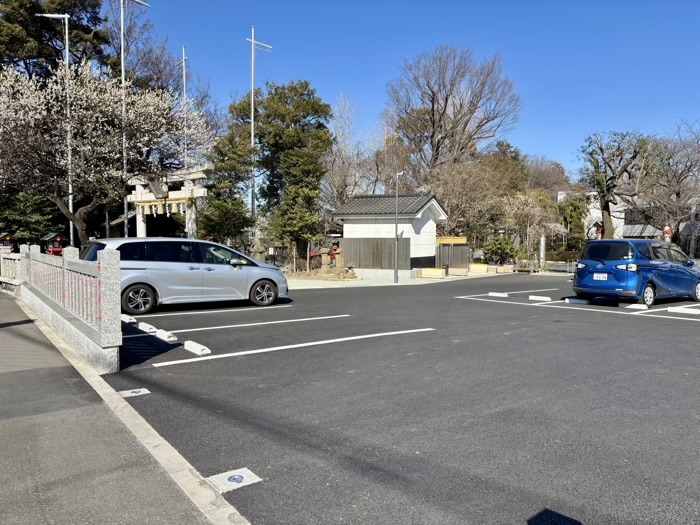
(308, 257)
(294, 257)
(608, 228)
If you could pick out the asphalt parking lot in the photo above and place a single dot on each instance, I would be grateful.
(478, 401)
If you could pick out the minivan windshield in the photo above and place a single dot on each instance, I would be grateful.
(607, 251)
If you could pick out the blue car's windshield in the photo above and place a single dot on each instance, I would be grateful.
(607, 251)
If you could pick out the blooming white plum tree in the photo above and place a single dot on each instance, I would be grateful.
(34, 128)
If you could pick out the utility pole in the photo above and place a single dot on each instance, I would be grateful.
(69, 129)
(396, 231)
(124, 157)
(184, 100)
(263, 47)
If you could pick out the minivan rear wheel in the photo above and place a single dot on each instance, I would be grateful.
(263, 293)
(648, 296)
(138, 299)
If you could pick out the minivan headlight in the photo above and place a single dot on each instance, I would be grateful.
(628, 267)
(580, 265)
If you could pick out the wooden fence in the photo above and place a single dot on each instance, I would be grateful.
(376, 254)
(456, 255)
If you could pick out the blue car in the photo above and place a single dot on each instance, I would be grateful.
(635, 269)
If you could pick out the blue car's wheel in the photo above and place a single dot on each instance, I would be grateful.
(648, 296)
(696, 292)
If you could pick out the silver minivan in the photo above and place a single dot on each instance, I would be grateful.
(159, 270)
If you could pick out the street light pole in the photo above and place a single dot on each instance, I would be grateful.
(124, 157)
(69, 131)
(396, 231)
(263, 47)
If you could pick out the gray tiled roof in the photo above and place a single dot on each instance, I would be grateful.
(640, 230)
(383, 205)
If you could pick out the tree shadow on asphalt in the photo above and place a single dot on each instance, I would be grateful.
(15, 323)
(549, 517)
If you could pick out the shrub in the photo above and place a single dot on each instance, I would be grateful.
(499, 251)
(563, 256)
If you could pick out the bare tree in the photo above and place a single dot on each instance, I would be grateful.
(667, 192)
(148, 60)
(445, 105)
(528, 215)
(614, 160)
(545, 174)
(346, 167)
(471, 194)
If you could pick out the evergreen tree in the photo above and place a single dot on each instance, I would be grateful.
(292, 138)
(27, 217)
(34, 45)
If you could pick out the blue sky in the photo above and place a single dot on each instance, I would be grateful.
(579, 66)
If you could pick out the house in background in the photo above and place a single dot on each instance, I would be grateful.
(631, 224)
(374, 217)
(627, 223)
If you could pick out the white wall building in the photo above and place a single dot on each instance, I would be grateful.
(373, 217)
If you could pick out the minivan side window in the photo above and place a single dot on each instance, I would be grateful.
(678, 256)
(643, 249)
(132, 251)
(213, 254)
(660, 252)
(171, 251)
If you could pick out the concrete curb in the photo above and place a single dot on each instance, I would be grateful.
(212, 504)
(314, 284)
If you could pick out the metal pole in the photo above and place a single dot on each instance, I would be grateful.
(69, 133)
(126, 202)
(264, 47)
(184, 98)
(396, 232)
(252, 119)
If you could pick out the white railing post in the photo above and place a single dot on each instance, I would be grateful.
(69, 254)
(34, 251)
(23, 267)
(109, 298)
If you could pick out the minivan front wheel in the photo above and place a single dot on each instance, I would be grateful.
(138, 299)
(263, 293)
(648, 296)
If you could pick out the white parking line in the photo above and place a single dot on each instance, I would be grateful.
(241, 325)
(287, 347)
(670, 309)
(506, 293)
(202, 312)
(532, 291)
(259, 324)
(578, 308)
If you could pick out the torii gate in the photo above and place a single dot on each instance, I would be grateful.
(146, 201)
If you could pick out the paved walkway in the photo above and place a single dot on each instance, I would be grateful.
(65, 457)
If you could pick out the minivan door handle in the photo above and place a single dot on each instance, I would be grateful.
(209, 269)
(193, 268)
